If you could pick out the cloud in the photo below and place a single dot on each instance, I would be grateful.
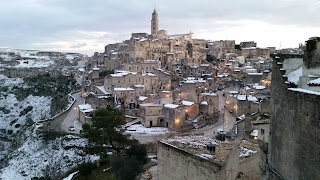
(78, 45)
(86, 26)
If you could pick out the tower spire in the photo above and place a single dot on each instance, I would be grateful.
(154, 22)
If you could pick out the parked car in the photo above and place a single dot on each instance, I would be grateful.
(71, 128)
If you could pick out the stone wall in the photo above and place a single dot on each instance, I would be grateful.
(174, 163)
(295, 128)
(249, 166)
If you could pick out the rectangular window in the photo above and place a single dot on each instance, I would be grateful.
(262, 131)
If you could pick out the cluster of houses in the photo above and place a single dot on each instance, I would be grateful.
(168, 80)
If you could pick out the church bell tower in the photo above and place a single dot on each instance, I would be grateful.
(154, 23)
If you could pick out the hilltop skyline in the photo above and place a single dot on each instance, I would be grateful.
(77, 26)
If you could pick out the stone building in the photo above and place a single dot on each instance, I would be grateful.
(191, 109)
(164, 80)
(293, 151)
(85, 113)
(242, 104)
(209, 103)
(112, 63)
(174, 116)
(146, 66)
(158, 46)
(151, 115)
(197, 157)
(248, 44)
(255, 52)
(191, 87)
(147, 81)
(100, 100)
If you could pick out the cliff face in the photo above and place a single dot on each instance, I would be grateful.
(295, 127)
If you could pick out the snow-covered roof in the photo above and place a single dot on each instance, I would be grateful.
(252, 98)
(294, 76)
(96, 69)
(194, 80)
(84, 106)
(149, 74)
(187, 103)
(209, 94)
(150, 105)
(241, 97)
(257, 87)
(122, 73)
(304, 91)
(142, 98)
(197, 145)
(123, 89)
(233, 92)
(223, 75)
(245, 152)
(117, 75)
(315, 81)
(88, 110)
(138, 85)
(255, 73)
(204, 103)
(171, 106)
(165, 91)
(102, 89)
(254, 133)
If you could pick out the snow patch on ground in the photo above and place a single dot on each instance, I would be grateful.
(35, 157)
(140, 129)
(70, 176)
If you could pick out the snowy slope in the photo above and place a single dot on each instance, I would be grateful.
(33, 58)
(35, 157)
(11, 110)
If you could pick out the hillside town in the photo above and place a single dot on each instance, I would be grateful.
(209, 109)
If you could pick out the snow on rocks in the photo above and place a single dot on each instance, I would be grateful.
(14, 113)
(35, 157)
(9, 82)
(38, 108)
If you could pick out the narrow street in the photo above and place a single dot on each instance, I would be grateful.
(226, 120)
(70, 118)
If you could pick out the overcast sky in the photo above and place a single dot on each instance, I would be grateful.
(85, 26)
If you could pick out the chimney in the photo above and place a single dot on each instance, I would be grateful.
(211, 148)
